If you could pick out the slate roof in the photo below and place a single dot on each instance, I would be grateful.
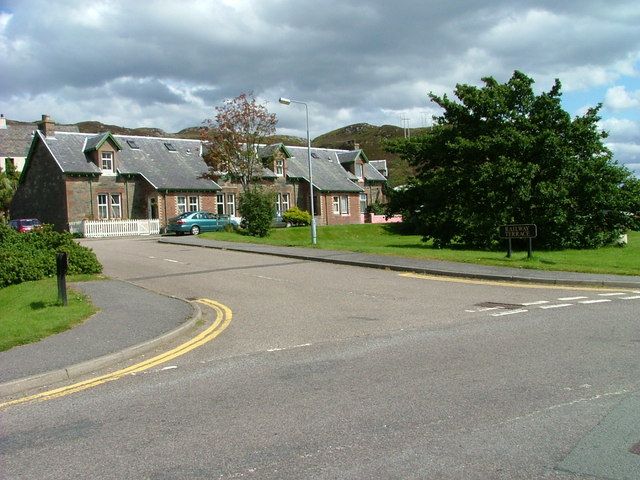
(328, 173)
(328, 165)
(380, 165)
(16, 139)
(372, 173)
(181, 169)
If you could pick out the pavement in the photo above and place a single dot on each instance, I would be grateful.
(132, 321)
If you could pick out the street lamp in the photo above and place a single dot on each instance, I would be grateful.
(287, 101)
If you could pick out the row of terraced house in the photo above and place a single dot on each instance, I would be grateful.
(69, 176)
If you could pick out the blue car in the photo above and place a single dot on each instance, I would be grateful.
(201, 221)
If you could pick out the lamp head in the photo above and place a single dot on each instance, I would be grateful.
(284, 101)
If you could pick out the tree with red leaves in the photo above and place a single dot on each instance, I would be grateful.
(232, 140)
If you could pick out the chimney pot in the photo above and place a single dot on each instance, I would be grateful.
(47, 126)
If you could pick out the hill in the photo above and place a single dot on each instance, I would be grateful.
(372, 140)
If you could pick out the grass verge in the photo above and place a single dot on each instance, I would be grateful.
(31, 311)
(382, 240)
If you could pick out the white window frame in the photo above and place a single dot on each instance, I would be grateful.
(278, 203)
(194, 203)
(231, 204)
(220, 203)
(181, 204)
(109, 206)
(279, 167)
(286, 202)
(359, 170)
(115, 208)
(363, 202)
(344, 204)
(107, 162)
(103, 205)
(335, 204)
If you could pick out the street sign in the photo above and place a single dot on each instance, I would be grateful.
(518, 230)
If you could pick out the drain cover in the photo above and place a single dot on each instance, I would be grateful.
(508, 306)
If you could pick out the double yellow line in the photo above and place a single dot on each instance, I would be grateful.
(223, 319)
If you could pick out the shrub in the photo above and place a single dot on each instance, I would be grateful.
(258, 209)
(297, 217)
(32, 256)
(377, 208)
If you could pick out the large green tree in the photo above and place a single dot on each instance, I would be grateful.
(503, 154)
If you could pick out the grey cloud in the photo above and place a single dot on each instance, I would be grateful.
(145, 91)
(354, 61)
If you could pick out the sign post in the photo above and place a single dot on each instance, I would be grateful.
(62, 264)
(519, 230)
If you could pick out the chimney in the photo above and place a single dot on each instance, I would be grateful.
(3, 121)
(353, 145)
(47, 126)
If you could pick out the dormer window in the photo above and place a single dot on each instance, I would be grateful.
(106, 163)
(359, 169)
(279, 170)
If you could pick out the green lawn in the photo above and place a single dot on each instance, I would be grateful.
(31, 311)
(379, 239)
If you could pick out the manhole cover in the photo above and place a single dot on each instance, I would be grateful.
(508, 306)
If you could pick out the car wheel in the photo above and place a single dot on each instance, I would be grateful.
(195, 230)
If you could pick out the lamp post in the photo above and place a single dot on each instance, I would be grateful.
(287, 101)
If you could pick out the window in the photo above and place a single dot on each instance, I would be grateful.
(182, 204)
(285, 202)
(335, 202)
(133, 145)
(359, 170)
(279, 167)
(116, 206)
(231, 204)
(109, 205)
(103, 205)
(107, 162)
(194, 204)
(170, 147)
(363, 202)
(220, 203)
(344, 204)
(340, 204)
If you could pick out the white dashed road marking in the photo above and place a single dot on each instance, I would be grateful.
(557, 305)
(546, 304)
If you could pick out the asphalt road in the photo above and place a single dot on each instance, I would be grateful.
(336, 372)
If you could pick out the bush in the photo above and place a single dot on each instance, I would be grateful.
(257, 208)
(297, 217)
(32, 256)
(377, 208)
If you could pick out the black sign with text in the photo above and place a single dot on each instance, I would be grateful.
(518, 231)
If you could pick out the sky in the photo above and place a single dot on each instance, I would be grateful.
(169, 63)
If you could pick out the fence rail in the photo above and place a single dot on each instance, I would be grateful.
(115, 228)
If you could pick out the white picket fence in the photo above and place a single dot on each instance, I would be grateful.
(115, 228)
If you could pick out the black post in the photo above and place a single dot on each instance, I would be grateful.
(509, 248)
(61, 269)
(530, 247)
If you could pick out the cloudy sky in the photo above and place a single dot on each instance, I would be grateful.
(168, 63)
